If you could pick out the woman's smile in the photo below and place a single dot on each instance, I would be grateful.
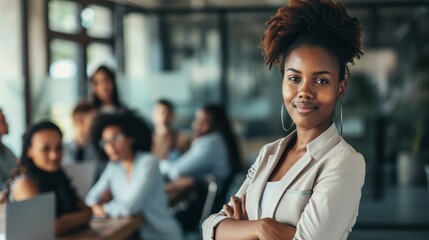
(305, 107)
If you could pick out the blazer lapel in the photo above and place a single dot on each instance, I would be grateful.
(285, 182)
(254, 193)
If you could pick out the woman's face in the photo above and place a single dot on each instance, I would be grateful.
(116, 145)
(46, 150)
(311, 87)
(102, 87)
(201, 124)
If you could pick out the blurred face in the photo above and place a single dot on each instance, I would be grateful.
(202, 123)
(102, 87)
(46, 150)
(162, 115)
(4, 127)
(116, 145)
(311, 87)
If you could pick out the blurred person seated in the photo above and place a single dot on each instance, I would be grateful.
(7, 158)
(39, 171)
(79, 150)
(214, 151)
(104, 91)
(131, 184)
(167, 143)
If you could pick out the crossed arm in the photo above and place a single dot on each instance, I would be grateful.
(238, 226)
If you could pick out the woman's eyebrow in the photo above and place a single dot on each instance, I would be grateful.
(322, 72)
(315, 73)
(293, 70)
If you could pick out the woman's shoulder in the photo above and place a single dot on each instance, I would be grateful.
(22, 186)
(145, 158)
(272, 147)
(345, 156)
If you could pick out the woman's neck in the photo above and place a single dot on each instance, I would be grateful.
(162, 129)
(127, 163)
(305, 136)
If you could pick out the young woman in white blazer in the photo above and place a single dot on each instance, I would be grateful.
(306, 186)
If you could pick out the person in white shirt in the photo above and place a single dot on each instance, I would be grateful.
(214, 151)
(132, 177)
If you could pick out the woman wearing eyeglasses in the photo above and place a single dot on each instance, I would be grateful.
(132, 177)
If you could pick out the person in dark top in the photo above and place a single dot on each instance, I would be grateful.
(39, 171)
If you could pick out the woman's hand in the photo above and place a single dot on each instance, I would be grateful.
(270, 229)
(98, 210)
(238, 209)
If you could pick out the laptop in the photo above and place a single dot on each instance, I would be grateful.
(31, 219)
(82, 176)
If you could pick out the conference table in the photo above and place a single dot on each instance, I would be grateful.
(107, 229)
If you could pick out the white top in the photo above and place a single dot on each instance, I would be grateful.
(142, 194)
(266, 196)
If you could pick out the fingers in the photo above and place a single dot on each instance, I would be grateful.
(243, 205)
(236, 204)
(228, 210)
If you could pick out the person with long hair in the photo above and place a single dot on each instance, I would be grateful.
(132, 180)
(214, 150)
(308, 184)
(39, 171)
(104, 90)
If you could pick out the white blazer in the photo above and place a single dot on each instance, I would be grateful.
(319, 195)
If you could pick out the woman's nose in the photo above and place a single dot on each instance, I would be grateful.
(306, 90)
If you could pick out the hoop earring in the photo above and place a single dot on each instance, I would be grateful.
(341, 117)
(281, 117)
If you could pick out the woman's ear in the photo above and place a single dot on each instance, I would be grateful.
(342, 89)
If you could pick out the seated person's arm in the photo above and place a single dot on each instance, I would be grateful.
(72, 220)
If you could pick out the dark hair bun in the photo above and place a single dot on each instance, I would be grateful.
(314, 19)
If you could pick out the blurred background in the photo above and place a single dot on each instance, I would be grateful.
(198, 51)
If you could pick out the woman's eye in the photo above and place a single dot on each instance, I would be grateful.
(322, 81)
(293, 79)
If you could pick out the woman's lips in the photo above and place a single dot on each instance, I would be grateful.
(305, 107)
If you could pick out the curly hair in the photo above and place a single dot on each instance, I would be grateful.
(321, 23)
(131, 125)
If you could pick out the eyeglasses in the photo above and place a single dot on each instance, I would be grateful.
(114, 139)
